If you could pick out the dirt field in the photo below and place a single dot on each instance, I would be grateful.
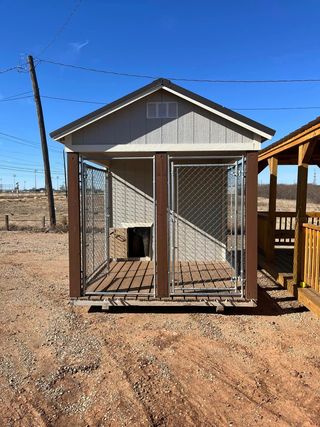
(284, 205)
(64, 366)
(35, 206)
(30, 207)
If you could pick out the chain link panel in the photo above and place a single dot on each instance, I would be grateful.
(206, 217)
(95, 193)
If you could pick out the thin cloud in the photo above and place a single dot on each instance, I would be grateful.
(77, 46)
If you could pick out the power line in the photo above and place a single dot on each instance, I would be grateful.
(23, 141)
(16, 99)
(62, 28)
(16, 95)
(275, 108)
(185, 79)
(23, 163)
(85, 101)
(6, 70)
(73, 100)
(21, 169)
(233, 108)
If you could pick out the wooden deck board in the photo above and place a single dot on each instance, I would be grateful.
(137, 278)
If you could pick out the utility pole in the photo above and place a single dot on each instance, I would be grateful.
(44, 146)
(35, 179)
(57, 183)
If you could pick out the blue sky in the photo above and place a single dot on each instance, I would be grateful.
(203, 39)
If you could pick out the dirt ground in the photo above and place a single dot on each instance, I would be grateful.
(65, 366)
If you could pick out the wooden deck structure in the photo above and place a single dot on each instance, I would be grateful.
(135, 278)
(298, 266)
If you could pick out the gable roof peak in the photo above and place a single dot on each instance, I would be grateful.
(166, 84)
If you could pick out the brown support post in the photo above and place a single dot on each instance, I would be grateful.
(273, 168)
(301, 205)
(74, 225)
(251, 290)
(161, 174)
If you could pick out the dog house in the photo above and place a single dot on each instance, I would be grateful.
(162, 196)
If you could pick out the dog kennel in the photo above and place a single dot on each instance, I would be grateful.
(162, 193)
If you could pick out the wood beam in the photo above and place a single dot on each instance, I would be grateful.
(301, 205)
(301, 138)
(307, 151)
(162, 284)
(74, 226)
(262, 165)
(273, 168)
(251, 290)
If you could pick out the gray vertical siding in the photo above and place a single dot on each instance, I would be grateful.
(132, 199)
(130, 125)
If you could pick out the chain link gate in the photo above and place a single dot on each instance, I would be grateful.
(95, 221)
(206, 226)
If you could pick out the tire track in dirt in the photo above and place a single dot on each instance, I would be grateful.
(161, 394)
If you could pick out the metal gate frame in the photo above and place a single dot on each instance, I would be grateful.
(107, 227)
(238, 278)
(105, 264)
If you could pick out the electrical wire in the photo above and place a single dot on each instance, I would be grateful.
(185, 79)
(9, 161)
(62, 28)
(6, 70)
(30, 170)
(16, 95)
(85, 101)
(25, 142)
(16, 99)
(235, 108)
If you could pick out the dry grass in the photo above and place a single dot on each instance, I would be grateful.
(285, 205)
(26, 210)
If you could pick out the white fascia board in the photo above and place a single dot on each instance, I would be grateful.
(199, 104)
(144, 148)
(219, 113)
(101, 116)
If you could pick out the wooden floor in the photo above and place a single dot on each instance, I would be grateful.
(137, 278)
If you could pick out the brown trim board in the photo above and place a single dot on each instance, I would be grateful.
(161, 164)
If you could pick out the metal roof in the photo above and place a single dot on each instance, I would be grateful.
(161, 83)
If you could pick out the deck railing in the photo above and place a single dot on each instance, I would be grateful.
(284, 228)
(311, 258)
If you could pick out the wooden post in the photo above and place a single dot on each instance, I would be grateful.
(6, 222)
(161, 174)
(43, 222)
(301, 205)
(74, 225)
(273, 168)
(251, 289)
(43, 137)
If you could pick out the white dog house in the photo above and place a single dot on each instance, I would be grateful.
(162, 200)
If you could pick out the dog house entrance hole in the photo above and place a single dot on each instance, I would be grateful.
(139, 239)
